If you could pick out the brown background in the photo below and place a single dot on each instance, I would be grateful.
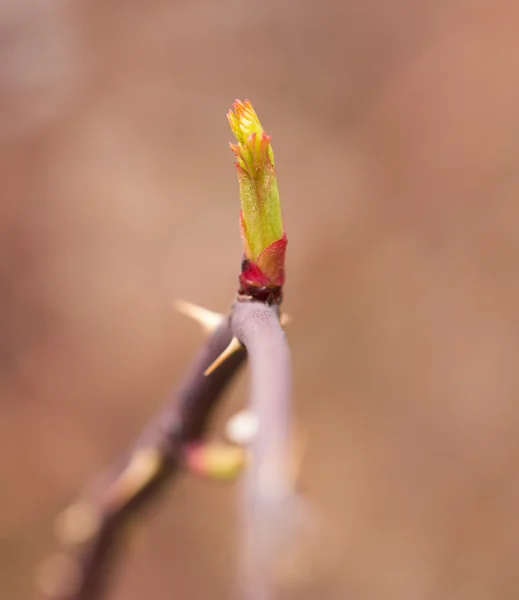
(396, 130)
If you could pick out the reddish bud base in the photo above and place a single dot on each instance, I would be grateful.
(254, 285)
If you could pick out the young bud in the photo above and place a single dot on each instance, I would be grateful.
(264, 240)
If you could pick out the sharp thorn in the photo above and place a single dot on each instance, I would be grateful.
(208, 319)
(242, 427)
(233, 346)
(285, 319)
(78, 523)
(144, 465)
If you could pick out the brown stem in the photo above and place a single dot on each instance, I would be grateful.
(268, 490)
(91, 529)
(257, 327)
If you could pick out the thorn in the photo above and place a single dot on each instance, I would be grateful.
(242, 428)
(208, 319)
(78, 523)
(59, 577)
(142, 468)
(233, 346)
(285, 319)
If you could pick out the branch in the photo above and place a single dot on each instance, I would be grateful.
(257, 327)
(269, 502)
(91, 528)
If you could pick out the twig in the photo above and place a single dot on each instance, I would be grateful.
(268, 487)
(91, 528)
(257, 327)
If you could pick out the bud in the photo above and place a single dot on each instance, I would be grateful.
(215, 460)
(264, 241)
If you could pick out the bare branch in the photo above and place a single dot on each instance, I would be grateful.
(269, 497)
(91, 528)
(257, 327)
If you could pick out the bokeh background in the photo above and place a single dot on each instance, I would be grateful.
(396, 133)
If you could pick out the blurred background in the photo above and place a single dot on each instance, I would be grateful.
(396, 133)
